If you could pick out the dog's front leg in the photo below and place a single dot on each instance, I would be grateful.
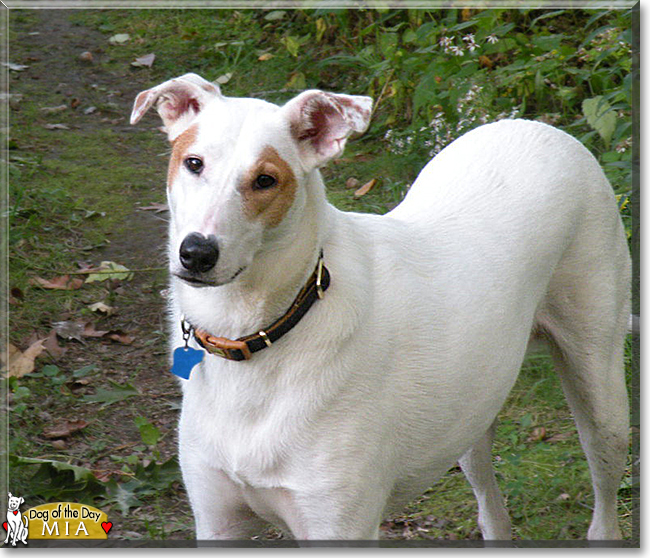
(220, 511)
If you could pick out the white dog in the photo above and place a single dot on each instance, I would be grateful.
(350, 360)
(16, 529)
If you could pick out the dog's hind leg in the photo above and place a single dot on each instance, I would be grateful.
(585, 317)
(476, 464)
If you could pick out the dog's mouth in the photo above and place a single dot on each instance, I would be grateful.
(196, 282)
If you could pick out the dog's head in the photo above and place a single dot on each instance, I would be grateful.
(14, 502)
(239, 168)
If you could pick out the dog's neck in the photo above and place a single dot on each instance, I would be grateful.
(269, 286)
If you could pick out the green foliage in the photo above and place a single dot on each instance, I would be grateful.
(149, 433)
(117, 392)
(434, 74)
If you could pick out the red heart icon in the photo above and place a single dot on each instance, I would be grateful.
(107, 526)
(16, 512)
(5, 526)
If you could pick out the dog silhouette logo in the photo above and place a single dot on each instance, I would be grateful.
(16, 525)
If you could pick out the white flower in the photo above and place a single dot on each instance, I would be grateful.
(492, 39)
(469, 38)
(446, 41)
(457, 51)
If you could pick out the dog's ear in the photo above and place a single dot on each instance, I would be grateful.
(22, 500)
(9, 494)
(178, 101)
(321, 123)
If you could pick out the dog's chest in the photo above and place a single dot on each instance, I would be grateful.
(243, 427)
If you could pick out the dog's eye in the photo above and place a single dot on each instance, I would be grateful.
(264, 181)
(194, 165)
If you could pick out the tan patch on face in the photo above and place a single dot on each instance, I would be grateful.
(180, 147)
(270, 204)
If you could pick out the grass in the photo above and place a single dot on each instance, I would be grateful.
(72, 198)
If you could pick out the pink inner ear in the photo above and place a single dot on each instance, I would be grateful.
(325, 125)
(177, 102)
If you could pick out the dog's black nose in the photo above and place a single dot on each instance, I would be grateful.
(198, 253)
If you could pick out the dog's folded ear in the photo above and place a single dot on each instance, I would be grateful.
(321, 123)
(177, 100)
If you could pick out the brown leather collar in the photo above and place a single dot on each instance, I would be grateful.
(244, 347)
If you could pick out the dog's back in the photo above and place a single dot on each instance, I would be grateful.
(403, 365)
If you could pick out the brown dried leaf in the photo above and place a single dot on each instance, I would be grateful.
(365, 189)
(90, 331)
(351, 183)
(538, 434)
(52, 346)
(121, 337)
(23, 363)
(64, 282)
(65, 428)
(560, 437)
(17, 293)
(265, 56)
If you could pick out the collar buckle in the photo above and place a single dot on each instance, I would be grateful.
(319, 277)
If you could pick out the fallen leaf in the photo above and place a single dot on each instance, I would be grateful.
(275, 15)
(120, 337)
(146, 60)
(23, 363)
(56, 127)
(101, 308)
(297, 80)
(365, 189)
(50, 110)
(225, 78)
(563, 497)
(17, 293)
(120, 392)
(90, 331)
(65, 428)
(58, 444)
(64, 283)
(52, 346)
(90, 110)
(264, 57)
(560, 437)
(538, 434)
(74, 103)
(119, 39)
(109, 270)
(15, 67)
(156, 207)
(351, 183)
(86, 56)
(70, 330)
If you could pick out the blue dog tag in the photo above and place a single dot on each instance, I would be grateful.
(184, 359)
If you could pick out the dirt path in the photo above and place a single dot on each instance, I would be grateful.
(47, 42)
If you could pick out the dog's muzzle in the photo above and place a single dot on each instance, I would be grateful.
(199, 254)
